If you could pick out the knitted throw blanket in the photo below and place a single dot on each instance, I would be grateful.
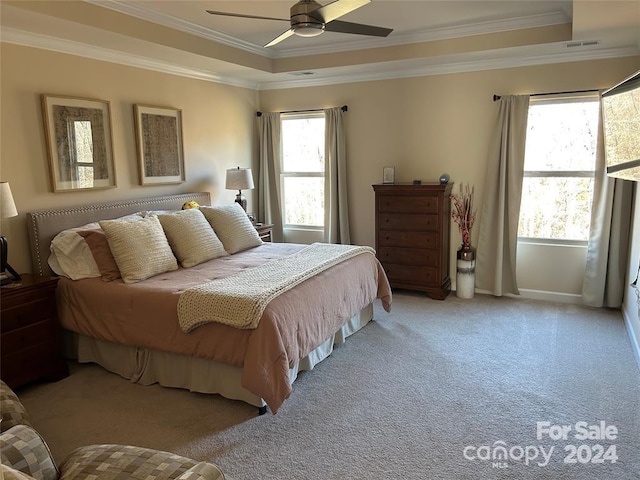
(239, 300)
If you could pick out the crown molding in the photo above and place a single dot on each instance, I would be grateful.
(433, 34)
(151, 15)
(46, 42)
(417, 36)
(461, 63)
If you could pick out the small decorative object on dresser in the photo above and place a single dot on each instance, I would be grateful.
(412, 236)
(464, 216)
(388, 174)
(30, 338)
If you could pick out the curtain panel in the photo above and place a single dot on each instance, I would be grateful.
(498, 238)
(269, 196)
(609, 235)
(336, 208)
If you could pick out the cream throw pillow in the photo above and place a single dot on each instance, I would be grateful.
(191, 237)
(233, 227)
(140, 249)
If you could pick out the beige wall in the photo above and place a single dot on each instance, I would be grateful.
(430, 125)
(218, 130)
(423, 126)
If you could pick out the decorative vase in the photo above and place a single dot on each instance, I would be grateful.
(466, 271)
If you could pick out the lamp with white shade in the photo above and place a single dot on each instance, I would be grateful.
(239, 179)
(7, 210)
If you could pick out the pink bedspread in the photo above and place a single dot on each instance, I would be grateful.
(144, 314)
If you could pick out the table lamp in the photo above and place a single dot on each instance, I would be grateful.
(239, 179)
(7, 210)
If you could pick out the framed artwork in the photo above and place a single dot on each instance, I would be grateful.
(159, 144)
(388, 174)
(79, 144)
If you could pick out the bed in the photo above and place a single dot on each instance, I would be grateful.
(135, 330)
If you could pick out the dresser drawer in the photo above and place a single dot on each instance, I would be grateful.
(405, 221)
(407, 204)
(411, 274)
(21, 338)
(27, 313)
(408, 256)
(19, 367)
(391, 238)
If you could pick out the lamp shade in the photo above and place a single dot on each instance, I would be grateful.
(7, 205)
(239, 179)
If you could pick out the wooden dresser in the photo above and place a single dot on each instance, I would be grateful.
(30, 338)
(412, 236)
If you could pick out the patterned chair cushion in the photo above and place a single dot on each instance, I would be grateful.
(114, 462)
(9, 473)
(11, 409)
(23, 449)
(203, 471)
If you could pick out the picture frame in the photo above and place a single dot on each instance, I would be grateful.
(79, 143)
(159, 144)
(388, 174)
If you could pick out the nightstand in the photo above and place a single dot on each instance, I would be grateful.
(29, 332)
(264, 231)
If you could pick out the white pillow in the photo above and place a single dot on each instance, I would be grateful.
(140, 249)
(71, 256)
(191, 237)
(233, 227)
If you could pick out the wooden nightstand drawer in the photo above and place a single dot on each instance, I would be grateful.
(405, 221)
(19, 367)
(22, 338)
(26, 313)
(409, 256)
(30, 345)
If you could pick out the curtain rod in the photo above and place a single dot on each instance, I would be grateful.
(497, 97)
(344, 109)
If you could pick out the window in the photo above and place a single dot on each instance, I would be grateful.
(82, 153)
(559, 165)
(302, 172)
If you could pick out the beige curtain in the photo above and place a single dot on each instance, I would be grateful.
(497, 242)
(336, 210)
(269, 180)
(607, 253)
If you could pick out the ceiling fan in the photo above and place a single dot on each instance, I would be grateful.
(310, 19)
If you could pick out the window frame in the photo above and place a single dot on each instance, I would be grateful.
(295, 174)
(555, 99)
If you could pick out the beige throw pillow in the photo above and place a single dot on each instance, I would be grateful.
(233, 227)
(191, 237)
(140, 249)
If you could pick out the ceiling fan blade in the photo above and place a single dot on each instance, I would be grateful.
(331, 11)
(279, 38)
(213, 12)
(357, 28)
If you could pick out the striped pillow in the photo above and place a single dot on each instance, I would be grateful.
(140, 249)
(191, 237)
(233, 227)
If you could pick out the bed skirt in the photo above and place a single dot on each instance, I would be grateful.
(147, 366)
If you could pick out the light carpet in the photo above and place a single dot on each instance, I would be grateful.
(425, 392)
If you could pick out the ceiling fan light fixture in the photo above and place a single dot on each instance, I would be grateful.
(308, 29)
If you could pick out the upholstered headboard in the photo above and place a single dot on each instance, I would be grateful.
(44, 225)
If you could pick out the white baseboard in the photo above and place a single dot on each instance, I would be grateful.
(543, 295)
(633, 335)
